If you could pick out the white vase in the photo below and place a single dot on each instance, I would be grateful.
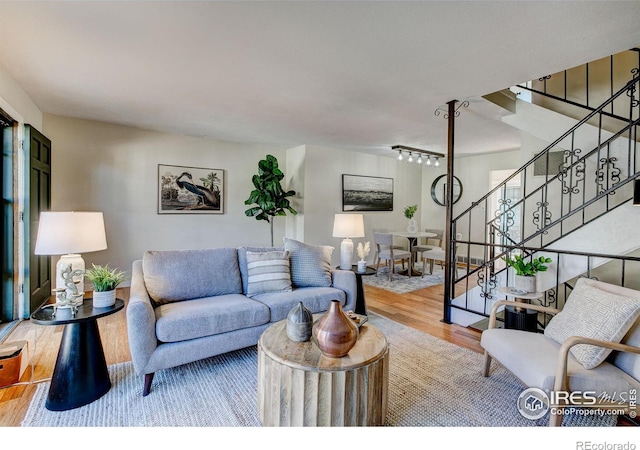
(362, 266)
(525, 284)
(104, 299)
(412, 227)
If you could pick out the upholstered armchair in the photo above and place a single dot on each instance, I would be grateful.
(591, 347)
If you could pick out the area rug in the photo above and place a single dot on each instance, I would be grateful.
(432, 383)
(402, 284)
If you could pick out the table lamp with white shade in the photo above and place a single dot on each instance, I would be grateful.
(68, 234)
(347, 226)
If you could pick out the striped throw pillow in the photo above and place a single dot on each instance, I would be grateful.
(268, 272)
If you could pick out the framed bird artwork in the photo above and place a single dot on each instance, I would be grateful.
(190, 190)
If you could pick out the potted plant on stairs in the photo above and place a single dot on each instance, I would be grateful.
(105, 280)
(525, 278)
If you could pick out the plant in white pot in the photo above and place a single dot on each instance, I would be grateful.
(525, 279)
(409, 211)
(105, 280)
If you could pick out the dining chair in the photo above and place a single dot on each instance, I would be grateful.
(385, 251)
(432, 242)
(436, 254)
(395, 245)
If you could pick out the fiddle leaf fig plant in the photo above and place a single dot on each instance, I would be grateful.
(527, 268)
(268, 197)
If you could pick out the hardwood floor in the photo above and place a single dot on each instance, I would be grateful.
(422, 310)
(419, 309)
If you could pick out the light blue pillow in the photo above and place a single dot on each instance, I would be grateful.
(310, 264)
(176, 275)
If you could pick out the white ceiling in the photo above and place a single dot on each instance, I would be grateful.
(354, 75)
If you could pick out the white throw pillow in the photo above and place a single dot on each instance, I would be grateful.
(593, 313)
(268, 272)
(310, 264)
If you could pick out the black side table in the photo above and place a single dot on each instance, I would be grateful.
(361, 303)
(80, 375)
(518, 316)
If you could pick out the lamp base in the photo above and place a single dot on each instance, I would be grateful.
(346, 253)
(77, 263)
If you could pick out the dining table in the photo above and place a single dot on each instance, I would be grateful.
(413, 237)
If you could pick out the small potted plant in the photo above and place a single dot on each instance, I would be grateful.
(105, 280)
(525, 279)
(409, 211)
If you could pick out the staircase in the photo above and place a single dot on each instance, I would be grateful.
(575, 205)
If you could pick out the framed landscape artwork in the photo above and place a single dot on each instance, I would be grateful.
(363, 193)
(190, 190)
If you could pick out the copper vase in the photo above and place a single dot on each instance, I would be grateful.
(334, 332)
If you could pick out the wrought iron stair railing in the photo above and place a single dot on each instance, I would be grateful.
(582, 86)
(585, 187)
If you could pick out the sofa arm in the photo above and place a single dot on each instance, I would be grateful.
(346, 280)
(141, 320)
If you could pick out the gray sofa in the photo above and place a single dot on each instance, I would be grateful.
(188, 305)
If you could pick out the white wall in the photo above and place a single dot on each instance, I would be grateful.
(13, 97)
(474, 173)
(114, 169)
(324, 168)
(104, 167)
(295, 179)
(433, 215)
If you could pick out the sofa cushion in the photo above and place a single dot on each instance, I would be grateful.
(310, 264)
(268, 272)
(533, 358)
(242, 261)
(594, 313)
(192, 319)
(317, 299)
(188, 274)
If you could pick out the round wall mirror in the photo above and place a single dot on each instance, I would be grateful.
(439, 186)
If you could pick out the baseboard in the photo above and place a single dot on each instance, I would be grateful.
(472, 261)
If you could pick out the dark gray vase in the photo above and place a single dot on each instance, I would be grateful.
(299, 323)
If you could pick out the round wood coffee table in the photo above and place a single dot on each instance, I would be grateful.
(299, 386)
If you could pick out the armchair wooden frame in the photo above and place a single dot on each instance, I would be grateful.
(561, 379)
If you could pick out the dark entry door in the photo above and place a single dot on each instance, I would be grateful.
(38, 153)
